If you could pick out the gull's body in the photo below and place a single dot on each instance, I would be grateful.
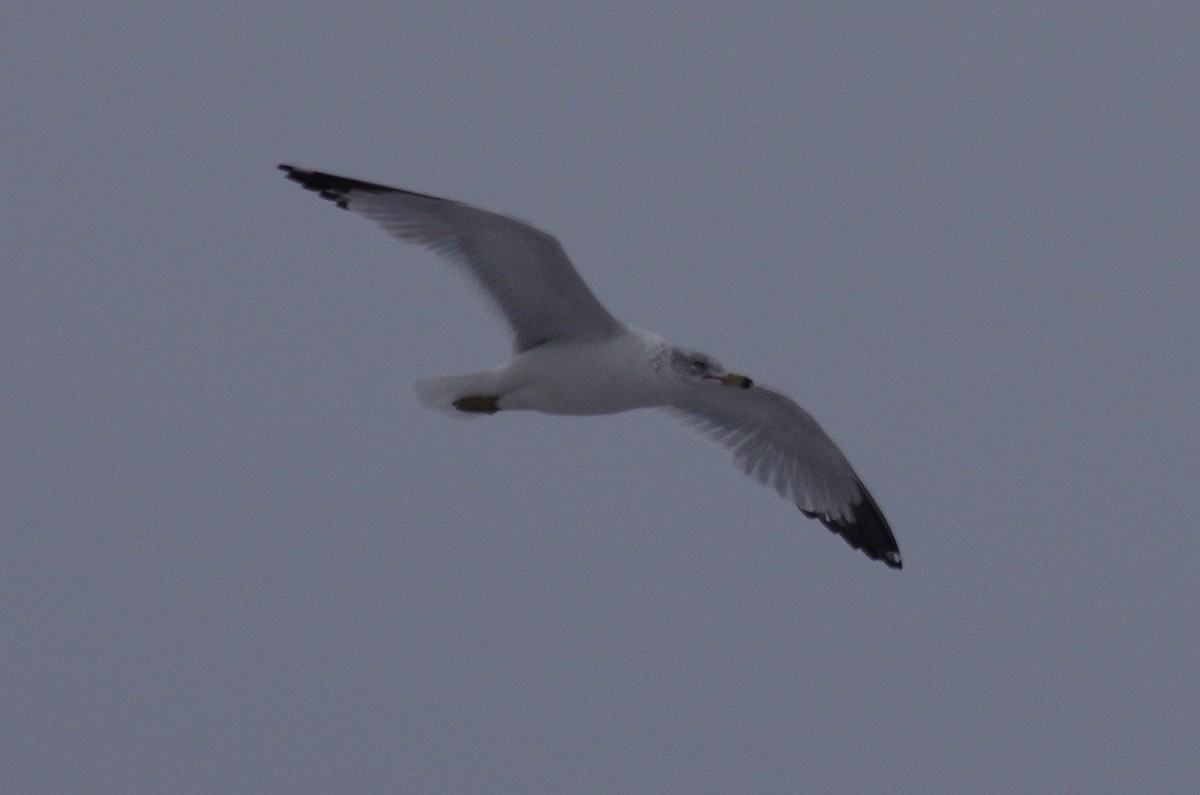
(572, 357)
(548, 379)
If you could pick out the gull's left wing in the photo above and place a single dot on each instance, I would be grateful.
(781, 445)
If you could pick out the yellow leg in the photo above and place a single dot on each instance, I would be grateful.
(478, 404)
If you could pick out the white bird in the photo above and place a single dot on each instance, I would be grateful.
(572, 357)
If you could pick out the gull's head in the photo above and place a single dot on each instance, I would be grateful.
(695, 366)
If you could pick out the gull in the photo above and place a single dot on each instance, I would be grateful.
(572, 357)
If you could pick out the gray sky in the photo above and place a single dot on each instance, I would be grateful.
(239, 557)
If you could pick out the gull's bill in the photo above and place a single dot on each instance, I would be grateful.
(571, 356)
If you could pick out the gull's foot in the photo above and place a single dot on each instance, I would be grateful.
(478, 404)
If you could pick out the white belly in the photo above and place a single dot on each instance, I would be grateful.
(584, 378)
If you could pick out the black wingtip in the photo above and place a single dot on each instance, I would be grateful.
(330, 186)
(340, 190)
(866, 529)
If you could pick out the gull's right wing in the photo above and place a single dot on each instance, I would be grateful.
(522, 269)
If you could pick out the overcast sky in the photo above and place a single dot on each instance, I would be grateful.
(240, 557)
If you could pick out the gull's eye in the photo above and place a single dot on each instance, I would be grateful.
(699, 365)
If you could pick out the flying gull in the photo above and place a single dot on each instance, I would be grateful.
(571, 356)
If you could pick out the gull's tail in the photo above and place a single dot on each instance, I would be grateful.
(440, 393)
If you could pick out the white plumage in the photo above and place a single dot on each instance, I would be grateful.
(571, 356)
